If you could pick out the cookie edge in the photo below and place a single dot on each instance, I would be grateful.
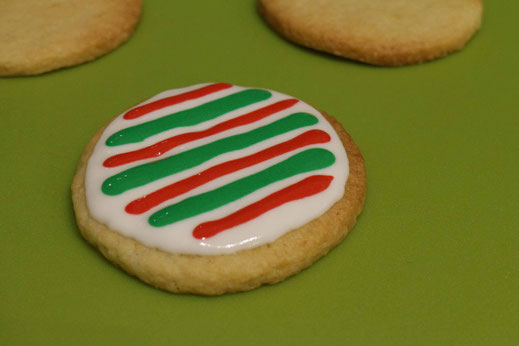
(97, 45)
(367, 52)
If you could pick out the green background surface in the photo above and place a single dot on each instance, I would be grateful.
(433, 259)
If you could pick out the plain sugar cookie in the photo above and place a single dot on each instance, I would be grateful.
(38, 36)
(218, 188)
(379, 32)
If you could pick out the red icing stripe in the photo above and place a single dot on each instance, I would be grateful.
(155, 198)
(304, 188)
(160, 148)
(173, 100)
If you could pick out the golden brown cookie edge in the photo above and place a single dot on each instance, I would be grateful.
(362, 50)
(95, 45)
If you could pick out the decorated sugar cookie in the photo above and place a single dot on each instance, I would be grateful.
(218, 188)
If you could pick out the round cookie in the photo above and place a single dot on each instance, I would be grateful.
(38, 36)
(217, 188)
(379, 32)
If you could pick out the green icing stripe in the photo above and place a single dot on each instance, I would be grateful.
(309, 160)
(146, 173)
(188, 117)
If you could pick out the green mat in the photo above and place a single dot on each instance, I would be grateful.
(433, 259)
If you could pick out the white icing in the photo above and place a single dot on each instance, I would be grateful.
(177, 237)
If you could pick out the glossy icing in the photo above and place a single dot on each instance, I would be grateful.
(214, 168)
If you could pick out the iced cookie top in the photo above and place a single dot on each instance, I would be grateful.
(215, 168)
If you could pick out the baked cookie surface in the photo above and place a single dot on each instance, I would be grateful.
(218, 188)
(379, 32)
(38, 36)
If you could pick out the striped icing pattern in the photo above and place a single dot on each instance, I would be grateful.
(306, 161)
(168, 192)
(215, 168)
(188, 117)
(147, 172)
(173, 100)
(304, 188)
